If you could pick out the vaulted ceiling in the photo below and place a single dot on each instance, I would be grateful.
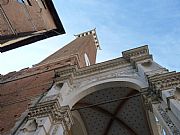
(102, 114)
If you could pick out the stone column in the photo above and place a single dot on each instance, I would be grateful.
(166, 119)
(167, 109)
(48, 117)
(172, 101)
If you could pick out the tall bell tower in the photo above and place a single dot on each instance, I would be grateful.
(82, 50)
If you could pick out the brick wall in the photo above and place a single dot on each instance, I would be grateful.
(25, 18)
(16, 96)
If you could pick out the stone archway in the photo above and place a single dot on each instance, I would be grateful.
(113, 108)
(76, 94)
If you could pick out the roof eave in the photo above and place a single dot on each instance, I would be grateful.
(54, 32)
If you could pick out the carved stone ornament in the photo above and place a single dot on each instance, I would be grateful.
(168, 121)
(118, 73)
(148, 103)
(137, 52)
(52, 109)
(165, 81)
(72, 71)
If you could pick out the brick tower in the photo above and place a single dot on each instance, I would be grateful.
(18, 89)
(81, 51)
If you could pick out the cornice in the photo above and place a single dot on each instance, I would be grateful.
(163, 76)
(65, 71)
(141, 58)
(119, 62)
(156, 72)
(53, 110)
(44, 109)
(64, 78)
(136, 52)
(164, 81)
(73, 71)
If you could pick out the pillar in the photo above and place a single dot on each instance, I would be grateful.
(48, 117)
(167, 108)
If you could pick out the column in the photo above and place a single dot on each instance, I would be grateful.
(48, 117)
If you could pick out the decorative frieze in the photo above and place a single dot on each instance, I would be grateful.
(65, 71)
(102, 66)
(53, 110)
(143, 58)
(164, 81)
(124, 72)
(73, 72)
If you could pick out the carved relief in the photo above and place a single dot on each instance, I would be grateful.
(94, 69)
(53, 110)
(148, 102)
(165, 81)
(168, 121)
(118, 73)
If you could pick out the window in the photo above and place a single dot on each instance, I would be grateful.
(87, 60)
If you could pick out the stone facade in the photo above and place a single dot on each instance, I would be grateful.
(126, 95)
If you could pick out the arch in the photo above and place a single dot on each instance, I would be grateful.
(85, 90)
(74, 97)
(87, 61)
(105, 116)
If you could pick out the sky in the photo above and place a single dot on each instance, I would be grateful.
(120, 25)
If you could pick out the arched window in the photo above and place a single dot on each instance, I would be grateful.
(87, 60)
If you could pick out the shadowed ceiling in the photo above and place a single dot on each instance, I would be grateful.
(120, 117)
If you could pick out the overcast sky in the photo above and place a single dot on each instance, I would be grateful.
(120, 25)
